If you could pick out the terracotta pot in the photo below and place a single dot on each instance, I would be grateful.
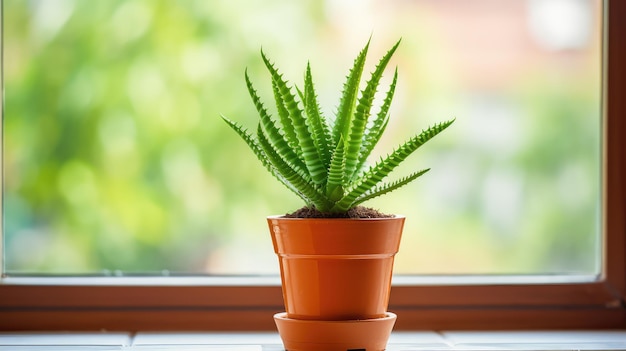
(336, 269)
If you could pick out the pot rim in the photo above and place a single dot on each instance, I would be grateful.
(283, 218)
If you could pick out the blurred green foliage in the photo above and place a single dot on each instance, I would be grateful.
(115, 157)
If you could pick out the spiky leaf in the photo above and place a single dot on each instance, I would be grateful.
(379, 124)
(379, 171)
(345, 112)
(361, 115)
(389, 187)
(334, 186)
(319, 128)
(275, 137)
(311, 157)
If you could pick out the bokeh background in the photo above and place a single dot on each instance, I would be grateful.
(116, 160)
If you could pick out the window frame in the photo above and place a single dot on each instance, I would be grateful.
(230, 304)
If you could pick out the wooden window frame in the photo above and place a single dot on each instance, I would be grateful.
(204, 304)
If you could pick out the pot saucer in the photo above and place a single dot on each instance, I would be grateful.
(314, 335)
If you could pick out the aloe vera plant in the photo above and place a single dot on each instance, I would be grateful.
(324, 161)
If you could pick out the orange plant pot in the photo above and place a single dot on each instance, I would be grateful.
(335, 269)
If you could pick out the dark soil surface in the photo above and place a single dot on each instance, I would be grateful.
(356, 212)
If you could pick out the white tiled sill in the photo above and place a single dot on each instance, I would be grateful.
(399, 341)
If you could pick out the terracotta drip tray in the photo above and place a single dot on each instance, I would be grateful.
(352, 335)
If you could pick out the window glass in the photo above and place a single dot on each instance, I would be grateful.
(116, 160)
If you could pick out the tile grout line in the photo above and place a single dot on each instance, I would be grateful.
(449, 343)
(131, 339)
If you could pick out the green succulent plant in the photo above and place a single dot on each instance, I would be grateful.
(324, 161)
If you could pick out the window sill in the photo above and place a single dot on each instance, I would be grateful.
(270, 341)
